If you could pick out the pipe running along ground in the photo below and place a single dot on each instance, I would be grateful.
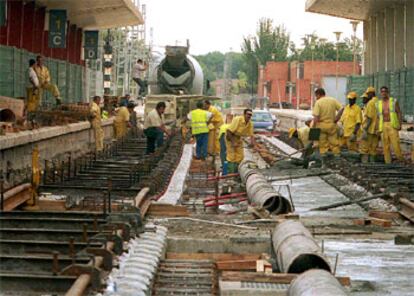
(295, 249)
(260, 192)
(316, 282)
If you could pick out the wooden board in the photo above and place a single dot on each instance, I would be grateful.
(237, 265)
(373, 221)
(384, 215)
(277, 278)
(212, 256)
(167, 210)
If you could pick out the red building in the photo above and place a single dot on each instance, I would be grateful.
(293, 82)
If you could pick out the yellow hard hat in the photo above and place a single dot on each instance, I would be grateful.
(365, 95)
(352, 95)
(291, 131)
(370, 89)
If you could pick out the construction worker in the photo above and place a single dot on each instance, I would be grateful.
(222, 140)
(44, 80)
(95, 118)
(121, 121)
(154, 127)
(32, 93)
(241, 126)
(214, 128)
(389, 124)
(302, 133)
(369, 137)
(350, 122)
(325, 118)
(200, 119)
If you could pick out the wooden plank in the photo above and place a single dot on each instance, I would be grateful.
(212, 256)
(17, 198)
(51, 205)
(140, 196)
(407, 209)
(277, 278)
(372, 221)
(384, 215)
(237, 265)
(159, 209)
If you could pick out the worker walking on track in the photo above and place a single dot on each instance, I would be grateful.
(222, 140)
(96, 122)
(44, 80)
(389, 124)
(199, 128)
(241, 126)
(351, 120)
(369, 137)
(214, 128)
(121, 121)
(154, 127)
(325, 118)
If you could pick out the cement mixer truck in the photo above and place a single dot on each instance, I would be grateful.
(177, 79)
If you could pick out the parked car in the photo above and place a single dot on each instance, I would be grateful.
(263, 121)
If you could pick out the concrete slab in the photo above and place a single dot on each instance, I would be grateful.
(388, 267)
(308, 193)
(250, 288)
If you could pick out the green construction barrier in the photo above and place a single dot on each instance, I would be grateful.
(14, 79)
(400, 84)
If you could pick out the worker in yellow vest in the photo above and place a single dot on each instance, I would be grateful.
(199, 128)
(302, 133)
(96, 122)
(351, 121)
(241, 126)
(369, 137)
(214, 127)
(326, 114)
(44, 80)
(389, 124)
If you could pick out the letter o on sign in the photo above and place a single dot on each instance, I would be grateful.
(90, 53)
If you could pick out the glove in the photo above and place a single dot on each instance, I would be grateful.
(364, 135)
(352, 138)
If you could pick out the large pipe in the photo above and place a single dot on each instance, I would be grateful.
(260, 192)
(316, 282)
(295, 249)
(7, 115)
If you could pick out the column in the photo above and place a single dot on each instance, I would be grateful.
(389, 36)
(367, 48)
(399, 37)
(381, 42)
(409, 25)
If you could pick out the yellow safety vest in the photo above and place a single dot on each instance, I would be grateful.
(199, 122)
(395, 123)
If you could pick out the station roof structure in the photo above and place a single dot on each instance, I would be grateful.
(350, 9)
(98, 14)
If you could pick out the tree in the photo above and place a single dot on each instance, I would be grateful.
(271, 43)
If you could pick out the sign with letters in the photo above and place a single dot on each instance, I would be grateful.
(91, 45)
(57, 28)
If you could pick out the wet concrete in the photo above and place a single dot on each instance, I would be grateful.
(312, 192)
(388, 267)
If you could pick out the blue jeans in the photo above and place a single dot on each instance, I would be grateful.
(223, 149)
(201, 146)
(155, 139)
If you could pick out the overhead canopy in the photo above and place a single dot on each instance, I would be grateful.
(98, 14)
(350, 9)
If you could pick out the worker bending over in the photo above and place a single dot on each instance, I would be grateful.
(369, 137)
(241, 126)
(154, 128)
(350, 122)
(325, 118)
(44, 80)
(121, 121)
(214, 128)
(389, 124)
(199, 128)
(302, 133)
(96, 122)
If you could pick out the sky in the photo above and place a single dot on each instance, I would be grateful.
(219, 25)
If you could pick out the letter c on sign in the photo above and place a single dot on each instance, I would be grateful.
(57, 40)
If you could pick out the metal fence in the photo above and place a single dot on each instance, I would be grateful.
(400, 84)
(13, 76)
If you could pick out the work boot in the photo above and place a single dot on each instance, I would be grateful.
(365, 158)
